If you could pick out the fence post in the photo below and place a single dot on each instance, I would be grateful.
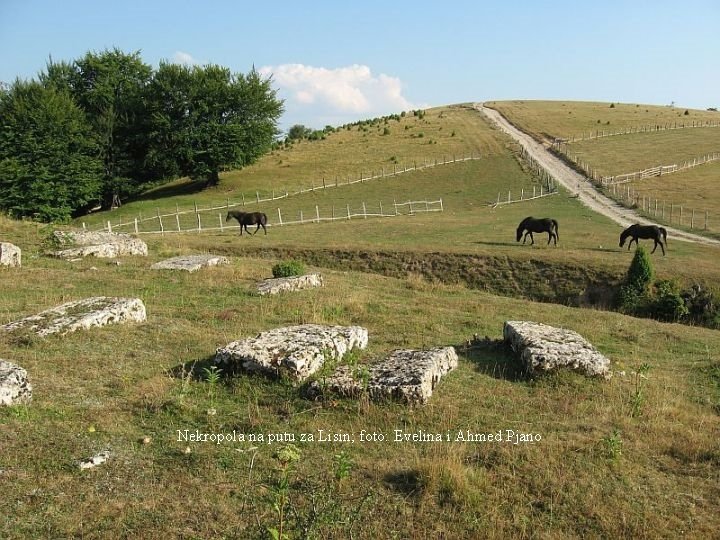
(672, 207)
(381, 211)
(411, 208)
(508, 196)
(681, 213)
(317, 214)
(85, 228)
(692, 219)
(243, 198)
(279, 217)
(522, 193)
(706, 219)
(333, 212)
(136, 226)
(221, 222)
(364, 210)
(109, 227)
(162, 229)
(199, 224)
(177, 220)
(441, 206)
(348, 211)
(257, 196)
(396, 208)
(301, 217)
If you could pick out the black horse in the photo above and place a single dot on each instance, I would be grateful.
(248, 218)
(645, 232)
(531, 225)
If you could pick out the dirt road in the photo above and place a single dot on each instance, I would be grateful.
(578, 184)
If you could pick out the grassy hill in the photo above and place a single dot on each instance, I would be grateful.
(633, 456)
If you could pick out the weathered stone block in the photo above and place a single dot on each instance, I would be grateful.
(190, 263)
(406, 375)
(297, 351)
(545, 348)
(97, 244)
(295, 283)
(81, 314)
(14, 385)
(10, 254)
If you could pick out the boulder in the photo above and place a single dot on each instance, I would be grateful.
(10, 254)
(544, 348)
(14, 385)
(190, 263)
(80, 244)
(81, 314)
(295, 351)
(295, 283)
(406, 375)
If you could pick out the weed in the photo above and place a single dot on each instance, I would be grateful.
(637, 399)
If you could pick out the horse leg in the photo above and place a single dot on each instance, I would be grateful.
(550, 236)
(532, 239)
(264, 229)
(257, 228)
(662, 247)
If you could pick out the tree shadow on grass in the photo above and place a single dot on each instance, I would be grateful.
(173, 189)
(494, 358)
(505, 244)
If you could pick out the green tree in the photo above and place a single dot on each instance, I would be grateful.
(48, 164)
(110, 88)
(205, 120)
(298, 132)
(634, 292)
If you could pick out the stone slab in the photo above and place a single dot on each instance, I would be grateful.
(10, 255)
(295, 283)
(190, 263)
(81, 314)
(544, 348)
(406, 375)
(295, 351)
(80, 244)
(15, 388)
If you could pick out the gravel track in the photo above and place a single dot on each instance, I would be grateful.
(580, 185)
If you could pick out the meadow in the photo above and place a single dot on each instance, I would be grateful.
(635, 456)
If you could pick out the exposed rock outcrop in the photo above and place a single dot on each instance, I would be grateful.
(10, 255)
(97, 244)
(544, 348)
(14, 385)
(296, 351)
(295, 283)
(81, 314)
(406, 375)
(190, 263)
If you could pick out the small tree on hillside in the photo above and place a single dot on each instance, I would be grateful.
(637, 283)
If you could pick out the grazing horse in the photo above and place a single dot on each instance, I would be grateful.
(644, 232)
(248, 218)
(531, 225)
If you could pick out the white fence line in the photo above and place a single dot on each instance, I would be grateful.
(322, 184)
(411, 207)
(600, 134)
(659, 170)
(500, 202)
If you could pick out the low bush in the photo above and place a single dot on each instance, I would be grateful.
(288, 269)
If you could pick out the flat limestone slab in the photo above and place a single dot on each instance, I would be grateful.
(97, 244)
(406, 375)
(297, 351)
(295, 283)
(14, 385)
(81, 314)
(545, 348)
(10, 255)
(190, 263)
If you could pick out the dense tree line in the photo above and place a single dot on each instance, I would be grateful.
(102, 128)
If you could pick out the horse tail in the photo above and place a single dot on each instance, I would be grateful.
(663, 231)
(555, 224)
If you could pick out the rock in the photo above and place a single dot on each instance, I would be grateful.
(406, 375)
(10, 255)
(190, 263)
(97, 244)
(545, 348)
(94, 461)
(297, 351)
(295, 283)
(81, 314)
(14, 385)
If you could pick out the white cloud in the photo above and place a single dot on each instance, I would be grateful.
(344, 94)
(184, 58)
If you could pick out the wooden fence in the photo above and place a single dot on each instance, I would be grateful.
(667, 126)
(257, 197)
(335, 214)
(658, 170)
(536, 194)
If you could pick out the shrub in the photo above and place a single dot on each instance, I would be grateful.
(386, 131)
(668, 304)
(634, 292)
(288, 269)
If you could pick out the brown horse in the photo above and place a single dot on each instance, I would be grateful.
(531, 225)
(645, 232)
(248, 218)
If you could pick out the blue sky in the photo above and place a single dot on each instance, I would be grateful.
(335, 61)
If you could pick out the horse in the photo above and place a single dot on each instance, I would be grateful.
(645, 232)
(531, 225)
(248, 218)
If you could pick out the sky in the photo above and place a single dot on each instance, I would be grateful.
(335, 62)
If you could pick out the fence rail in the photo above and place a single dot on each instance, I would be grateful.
(340, 214)
(667, 126)
(658, 170)
(322, 184)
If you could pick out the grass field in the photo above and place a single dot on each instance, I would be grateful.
(566, 119)
(630, 457)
